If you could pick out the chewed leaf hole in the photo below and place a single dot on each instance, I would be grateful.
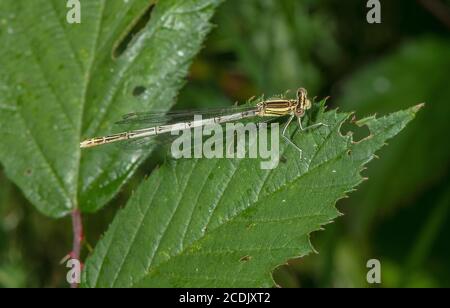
(358, 132)
(136, 26)
(138, 91)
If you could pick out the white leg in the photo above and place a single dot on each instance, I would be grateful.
(289, 141)
(311, 126)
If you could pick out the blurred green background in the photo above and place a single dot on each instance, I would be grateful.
(401, 216)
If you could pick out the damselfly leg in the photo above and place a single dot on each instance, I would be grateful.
(309, 127)
(299, 119)
(288, 140)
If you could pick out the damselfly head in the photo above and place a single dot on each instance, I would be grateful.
(302, 97)
(307, 104)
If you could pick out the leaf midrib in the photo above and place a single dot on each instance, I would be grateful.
(59, 180)
(84, 98)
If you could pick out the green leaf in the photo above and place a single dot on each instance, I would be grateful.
(417, 71)
(228, 223)
(61, 82)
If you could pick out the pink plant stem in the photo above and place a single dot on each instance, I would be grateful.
(77, 227)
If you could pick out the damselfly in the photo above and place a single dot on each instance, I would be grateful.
(294, 108)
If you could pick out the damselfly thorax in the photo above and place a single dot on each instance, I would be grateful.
(282, 107)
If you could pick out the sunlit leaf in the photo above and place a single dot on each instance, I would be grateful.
(61, 82)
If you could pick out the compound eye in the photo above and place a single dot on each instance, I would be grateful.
(307, 104)
(302, 94)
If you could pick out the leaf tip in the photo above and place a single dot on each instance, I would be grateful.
(417, 107)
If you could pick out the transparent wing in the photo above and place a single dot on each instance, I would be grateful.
(160, 118)
(151, 119)
(145, 143)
